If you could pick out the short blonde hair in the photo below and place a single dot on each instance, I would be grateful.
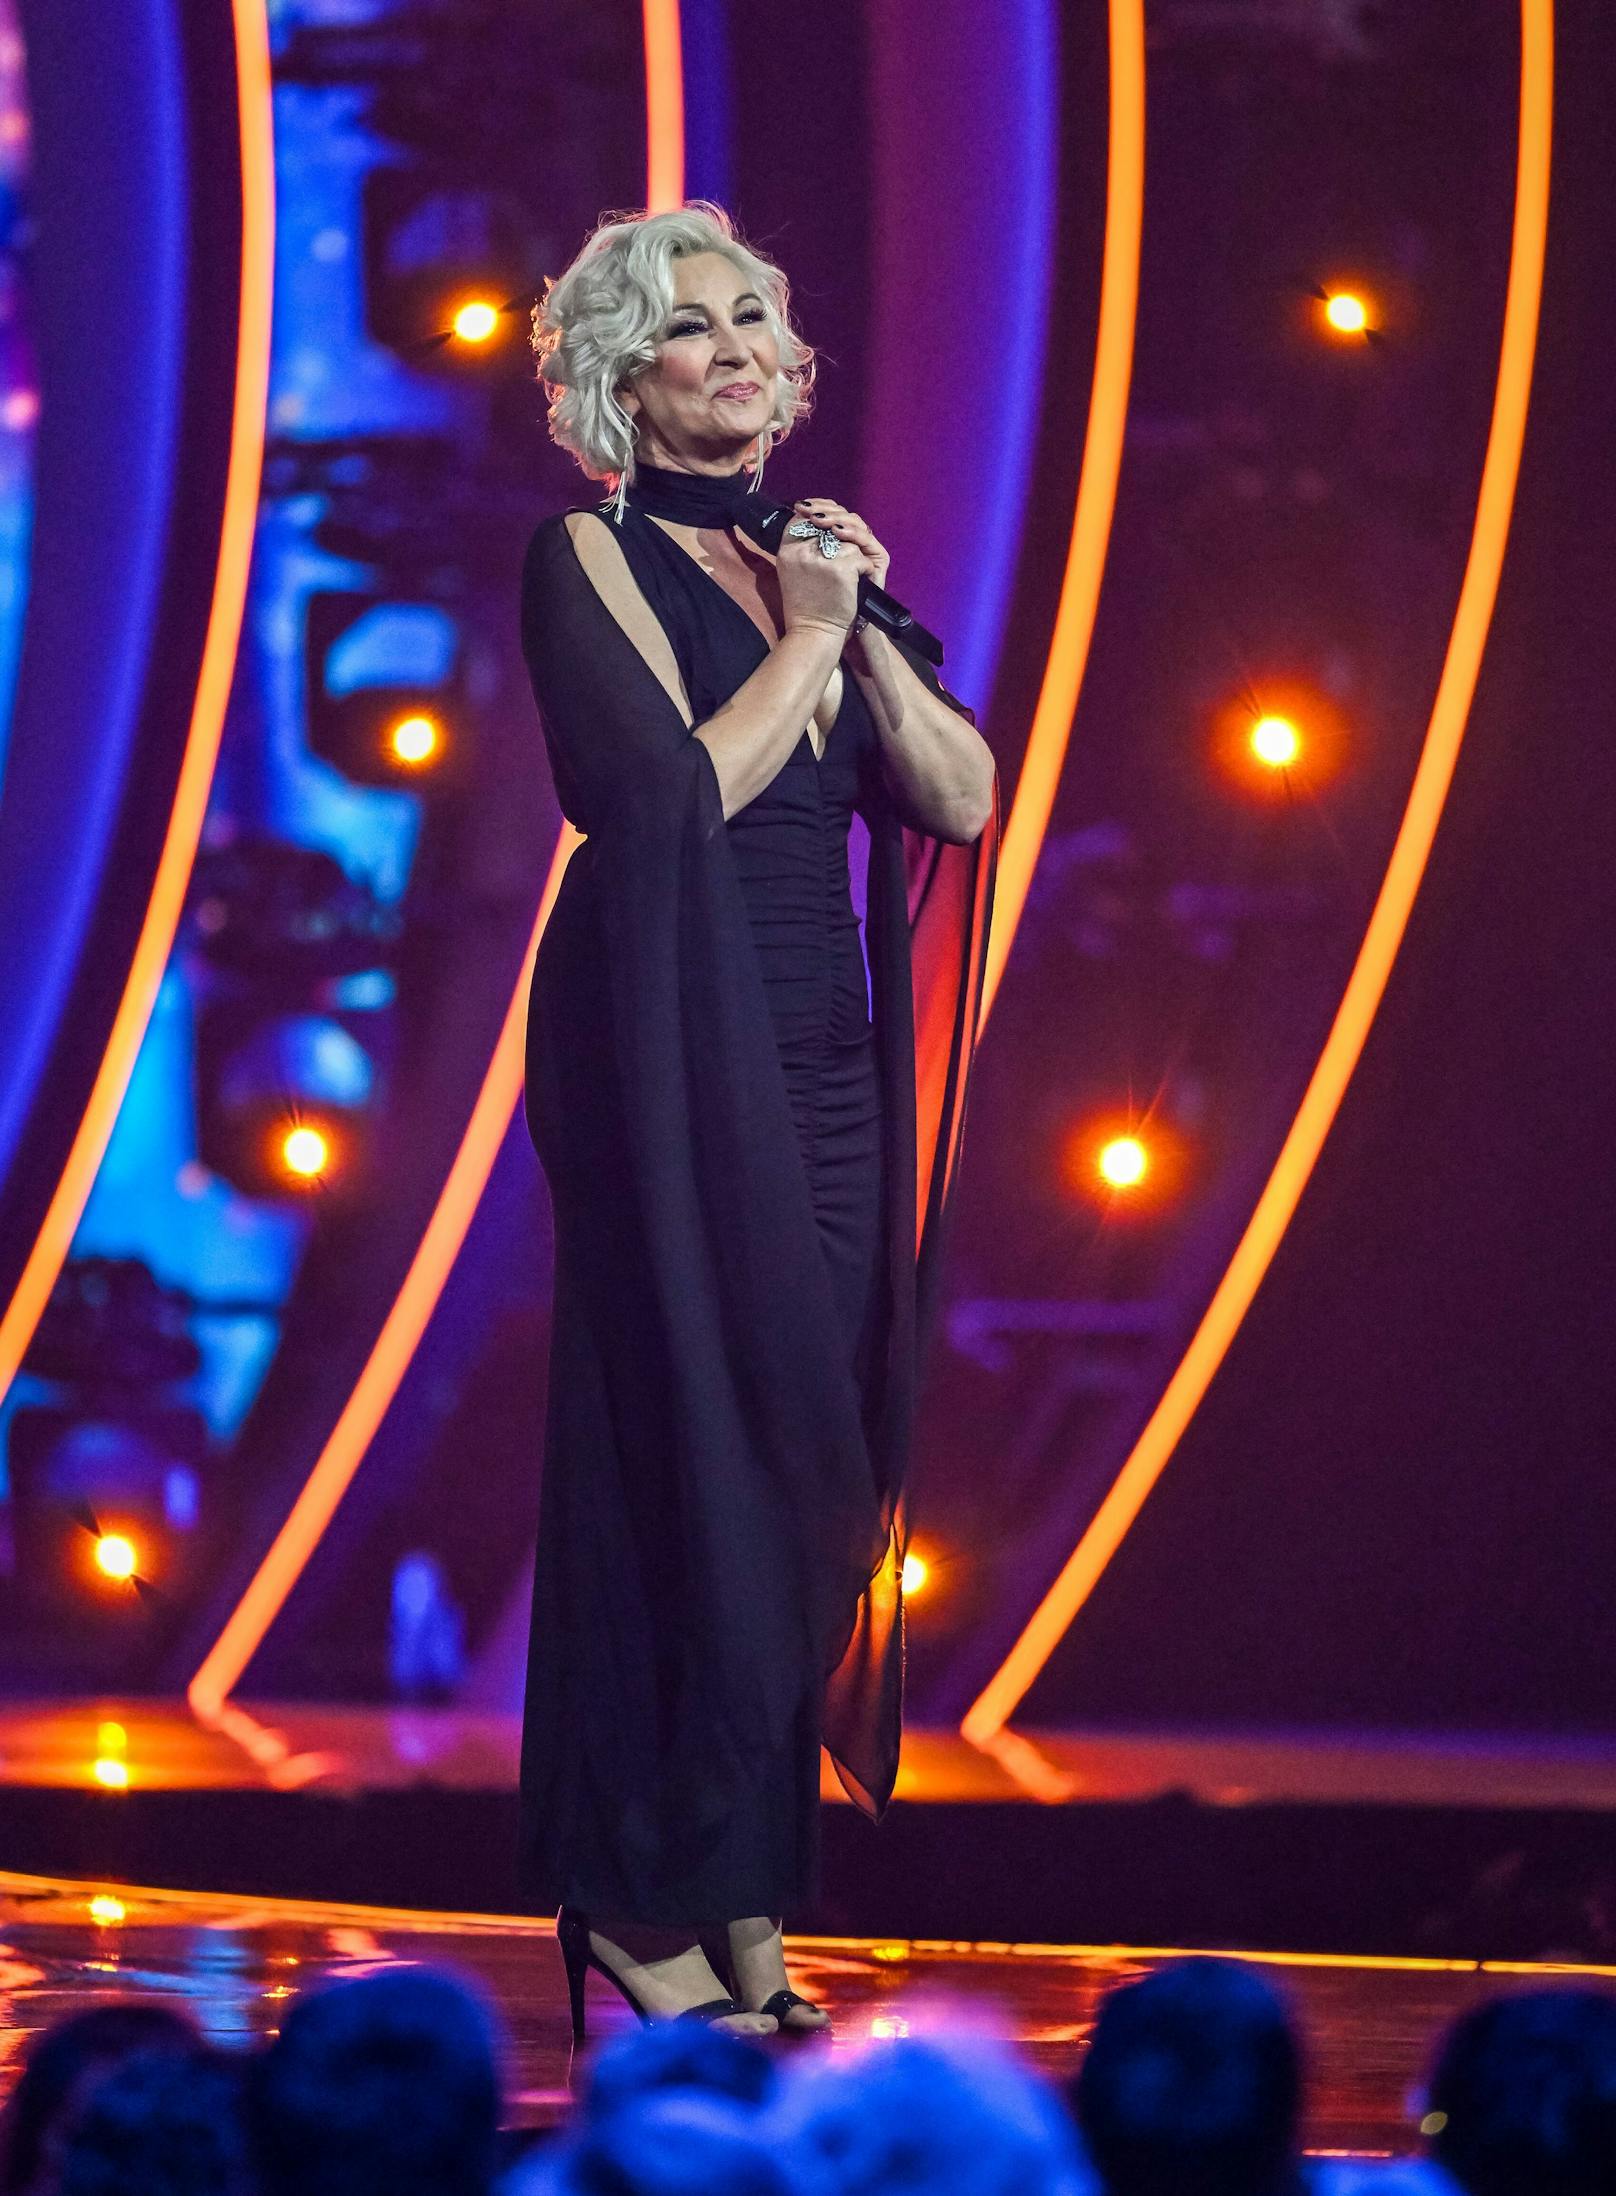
(599, 322)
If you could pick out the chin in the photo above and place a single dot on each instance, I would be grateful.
(739, 440)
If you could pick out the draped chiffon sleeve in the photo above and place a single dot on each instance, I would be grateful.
(710, 1465)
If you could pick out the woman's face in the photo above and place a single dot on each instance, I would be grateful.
(710, 391)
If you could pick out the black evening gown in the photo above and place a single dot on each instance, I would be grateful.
(750, 1147)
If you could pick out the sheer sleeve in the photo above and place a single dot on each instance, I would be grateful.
(949, 897)
(620, 751)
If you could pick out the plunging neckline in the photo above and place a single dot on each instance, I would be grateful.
(712, 581)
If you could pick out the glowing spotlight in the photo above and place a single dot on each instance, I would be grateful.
(305, 1152)
(1277, 725)
(111, 1738)
(916, 1571)
(886, 2026)
(1123, 1162)
(476, 322)
(1346, 313)
(1276, 742)
(414, 740)
(1433, 2123)
(107, 1910)
(115, 1555)
(111, 1774)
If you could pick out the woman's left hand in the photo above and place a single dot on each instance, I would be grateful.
(847, 526)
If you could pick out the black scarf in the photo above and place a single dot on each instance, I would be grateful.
(696, 499)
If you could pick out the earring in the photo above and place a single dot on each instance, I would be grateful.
(757, 471)
(621, 497)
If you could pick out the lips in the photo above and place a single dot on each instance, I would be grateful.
(738, 391)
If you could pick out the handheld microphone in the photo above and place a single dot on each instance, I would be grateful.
(768, 523)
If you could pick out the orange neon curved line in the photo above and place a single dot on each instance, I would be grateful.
(985, 1720)
(423, 1284)
(172, 875)
(664, 107)
(1096, 493)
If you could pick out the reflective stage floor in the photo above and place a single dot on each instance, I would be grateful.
(234, 1962)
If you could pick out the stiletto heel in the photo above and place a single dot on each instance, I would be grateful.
(574, 1943)
(579, 1956)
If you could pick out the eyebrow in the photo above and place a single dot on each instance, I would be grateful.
(699, 308)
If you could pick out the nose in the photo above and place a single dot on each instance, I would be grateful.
(733, 348)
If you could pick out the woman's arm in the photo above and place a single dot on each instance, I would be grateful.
(750, 737)
(935, 758)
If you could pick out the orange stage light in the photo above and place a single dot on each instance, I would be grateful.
(476, 322)
(1123, 1162)
(916, 1571)
(115, 1556)
(1345, 313)
(1285, 735)
(414, 740)
(1275, 742)
(111, 1774)
(305, 1152)
(107, 1910)
(1129, 1164)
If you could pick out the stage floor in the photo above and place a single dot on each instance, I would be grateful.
(235, 1962)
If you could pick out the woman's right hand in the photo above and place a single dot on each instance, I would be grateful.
(816, 590)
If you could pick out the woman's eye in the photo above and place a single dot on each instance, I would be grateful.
(686, 328)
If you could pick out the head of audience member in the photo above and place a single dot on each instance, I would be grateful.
(676, 2056)
(921, 2116)
(161, 2123)
(386, 2084)
(1523, 2096)
(663, 2142)
(1192, 2085)
(62, 2063)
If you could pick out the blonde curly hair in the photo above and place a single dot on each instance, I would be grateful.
(597, 325)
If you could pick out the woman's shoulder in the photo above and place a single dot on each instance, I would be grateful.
(563, 540)
(564, 525)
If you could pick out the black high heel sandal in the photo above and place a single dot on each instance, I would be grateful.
(778, 2003)
(572, 1934)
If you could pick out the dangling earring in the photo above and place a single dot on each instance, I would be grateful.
(763, 451)
(618, 500)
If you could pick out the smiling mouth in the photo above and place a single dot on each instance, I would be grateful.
(738, 392)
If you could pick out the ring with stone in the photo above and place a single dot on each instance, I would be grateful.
(805, 530)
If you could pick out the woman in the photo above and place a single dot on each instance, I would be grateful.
(748, 1169)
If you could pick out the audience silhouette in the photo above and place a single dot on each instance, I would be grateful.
(1192, 2085)
(390, 2084)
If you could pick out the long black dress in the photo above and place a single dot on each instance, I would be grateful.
(749, 1156)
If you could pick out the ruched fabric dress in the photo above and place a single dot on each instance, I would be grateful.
(750, 1143)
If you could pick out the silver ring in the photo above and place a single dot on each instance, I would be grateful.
(805, 529)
